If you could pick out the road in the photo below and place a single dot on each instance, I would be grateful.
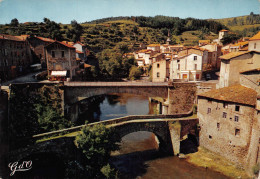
(22, 79)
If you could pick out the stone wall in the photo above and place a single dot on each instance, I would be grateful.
(181, 97)
(221, 133)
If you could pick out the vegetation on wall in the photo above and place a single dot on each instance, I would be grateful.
(34, 111)
(96, 143)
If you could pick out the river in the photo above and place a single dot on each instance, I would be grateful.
(138, 156)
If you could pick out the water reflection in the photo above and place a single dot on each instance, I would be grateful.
(139, 158)
(104, 107)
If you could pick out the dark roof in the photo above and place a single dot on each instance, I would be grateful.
(237, 94)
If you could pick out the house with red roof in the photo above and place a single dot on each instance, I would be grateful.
(15, 56)
(61, 61)
(37, 45)
(254, 43)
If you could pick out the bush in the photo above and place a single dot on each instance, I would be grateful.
(135, 73)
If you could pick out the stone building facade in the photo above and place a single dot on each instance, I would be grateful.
(37, 45)
(230, 124)
(161, 70)
(61, 60)
(235, 62)
(15, 56)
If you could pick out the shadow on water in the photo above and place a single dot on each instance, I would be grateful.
(132, 165)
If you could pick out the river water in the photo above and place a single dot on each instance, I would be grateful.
(138, 156)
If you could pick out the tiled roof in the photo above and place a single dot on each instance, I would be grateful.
(233, 55)
(224, 30)
(240, 44)
(256, 37)
(87, 65)
(236, 94)
(154, 45)
(45, 39)
(204, 41)
(67, 45)
(10, 37)
(78, 51)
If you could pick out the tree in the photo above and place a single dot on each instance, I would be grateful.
(75, 32)
(96, 143)
(14, 22)
(135, 73)
(230, 38)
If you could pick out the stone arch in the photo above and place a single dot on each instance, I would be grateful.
(71, 94)
(160, 131)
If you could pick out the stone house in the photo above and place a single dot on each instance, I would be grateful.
(229, 119)
(240, 46)
(161, 70)
(188, 65)
(254, 43)
(214, 52)
(145, 56)
(61, 60)
(81, 51)
(15, 56)
(154, 47)
(37, 45)
(235, 62)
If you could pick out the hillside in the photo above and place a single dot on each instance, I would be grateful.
(244, 25)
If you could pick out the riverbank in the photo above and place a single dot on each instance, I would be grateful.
(207, 159)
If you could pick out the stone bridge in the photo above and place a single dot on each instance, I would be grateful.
(74, 92)
(169, 129)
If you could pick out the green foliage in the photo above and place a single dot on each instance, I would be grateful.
(34, 111)
(96, 143)
(135, 73)
(75, 31)
(230, 38)
(109, 172)
(14, 22)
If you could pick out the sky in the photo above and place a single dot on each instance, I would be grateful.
(63, 11)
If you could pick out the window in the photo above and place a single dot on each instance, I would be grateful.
(158, 65)
(195, 57)
(53, 54)
(224, 115)
(210, 137)
(209, 100)
(179, 66)
(254, 45)
(237, 108)
(158, 74)
(236, 118)
(209, 110)
(237, 132)
(225, 105)
(195, 66)
(62, 54)
(178, 61)
(218, 125)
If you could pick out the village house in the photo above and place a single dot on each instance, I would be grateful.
(61, 60)
(144, 57)
(235, 62)
(37, 45)
(154, 47)
(240, 46)
(254, 43)
(161, 70)
(229, 119)
(81, 51)
(188, 65)
(15, 56)
(214, 52)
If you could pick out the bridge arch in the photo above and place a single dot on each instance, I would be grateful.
(160, 130)
(72, 94)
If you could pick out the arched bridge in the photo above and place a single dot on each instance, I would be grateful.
(74, 90)
(169, 129)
